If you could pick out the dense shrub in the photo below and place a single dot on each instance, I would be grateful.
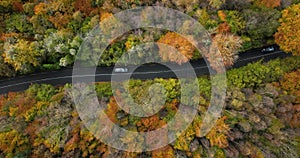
(258, 73)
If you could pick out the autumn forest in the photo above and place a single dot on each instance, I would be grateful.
(261, 117)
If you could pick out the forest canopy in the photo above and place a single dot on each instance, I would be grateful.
(54, 30)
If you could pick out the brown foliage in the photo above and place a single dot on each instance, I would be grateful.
(223, 28)
(20, 103)
(150, 123)
(18, 6)
(84, 6)
(295, 121)
(290, 83)
(228, 45)
(60, 20)
(4, 36)
(72, 143)
(33, 127)
(112, 109)
(269, 3)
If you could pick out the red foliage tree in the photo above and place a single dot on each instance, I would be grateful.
(18, 6)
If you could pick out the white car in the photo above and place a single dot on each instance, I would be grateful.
(121, 69)
(268, 49)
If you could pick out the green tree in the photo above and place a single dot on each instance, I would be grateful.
(261, 24)
(237, 4)
(235, 21)
(112, 54)
(205, 20)
(18, 22)
(186, 5)
(40, 24)
(216, 3)
(56, 45)
(6, 5)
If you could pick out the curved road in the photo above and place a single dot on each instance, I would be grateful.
(149, 71)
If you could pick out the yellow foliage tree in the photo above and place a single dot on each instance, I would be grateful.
(13, 142)
(287, 36)
(184, 140)
(22, 55)
(222, 15)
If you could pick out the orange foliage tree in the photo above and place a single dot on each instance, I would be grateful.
(287, 36)
(40, 9)
(222, 15)
(105, 15)
(218, 134)
(178, 42)
(290, 83)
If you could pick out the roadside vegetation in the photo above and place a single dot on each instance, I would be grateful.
(261, 117)
(46, 35)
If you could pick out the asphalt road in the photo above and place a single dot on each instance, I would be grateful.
(148, 71)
